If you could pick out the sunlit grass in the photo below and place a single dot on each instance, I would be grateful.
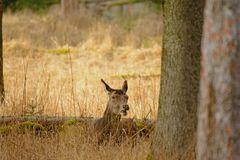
(53, 67)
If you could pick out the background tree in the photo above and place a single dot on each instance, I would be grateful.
(219, 111)
(175, 134)
(69, 6)
(2, 95)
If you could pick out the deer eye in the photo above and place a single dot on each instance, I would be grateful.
(114, 97)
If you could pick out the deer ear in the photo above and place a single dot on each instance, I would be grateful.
(106, 86)
(125, 86)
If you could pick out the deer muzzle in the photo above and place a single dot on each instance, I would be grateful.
(125, 109)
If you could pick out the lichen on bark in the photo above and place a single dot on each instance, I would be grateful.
(219, 109)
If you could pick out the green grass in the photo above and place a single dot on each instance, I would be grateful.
(5, 130)
(22, 127)
(70, 122)
(60, 51)
(133, 75)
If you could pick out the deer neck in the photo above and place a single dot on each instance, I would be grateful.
(109, 116)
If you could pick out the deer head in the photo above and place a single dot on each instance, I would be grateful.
(118, 99)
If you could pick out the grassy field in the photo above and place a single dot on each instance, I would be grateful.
(53, 66)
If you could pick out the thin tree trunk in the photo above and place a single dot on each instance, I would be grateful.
(219, 110)
(175, 134)
(69, 6)
(2, 95)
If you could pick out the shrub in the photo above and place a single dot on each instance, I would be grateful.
(35, 5)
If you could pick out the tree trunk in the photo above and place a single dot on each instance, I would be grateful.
(175, 134)
(219, 110)
(69, 6)
(2, 95)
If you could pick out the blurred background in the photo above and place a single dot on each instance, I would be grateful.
(56, 52)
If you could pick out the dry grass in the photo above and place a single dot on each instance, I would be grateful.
(67, 145)
(53, 66)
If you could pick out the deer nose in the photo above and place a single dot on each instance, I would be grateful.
(126, 107)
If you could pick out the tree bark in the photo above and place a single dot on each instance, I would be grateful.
(2, 94)
(175, 134)
(219, 110)
(69, 6)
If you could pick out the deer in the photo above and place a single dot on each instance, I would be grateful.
(110, 125)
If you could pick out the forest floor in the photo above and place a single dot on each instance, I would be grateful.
(53, 67)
